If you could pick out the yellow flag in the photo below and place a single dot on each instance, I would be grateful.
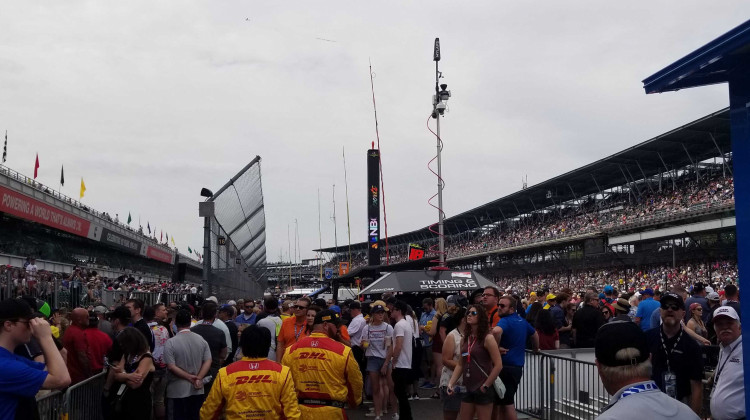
(172, 239)
(83, 188)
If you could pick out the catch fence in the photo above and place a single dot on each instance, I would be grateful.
(235, 237)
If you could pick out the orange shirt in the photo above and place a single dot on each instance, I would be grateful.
(495, 312)
(344, 332)
(291, 332)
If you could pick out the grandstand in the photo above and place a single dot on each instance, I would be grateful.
(61, 232)
(665, 202)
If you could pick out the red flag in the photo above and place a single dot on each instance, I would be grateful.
(161, 236)
(36, 165)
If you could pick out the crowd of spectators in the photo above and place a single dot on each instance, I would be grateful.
(617, 209)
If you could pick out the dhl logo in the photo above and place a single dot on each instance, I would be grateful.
(312, 355)
(255, 379)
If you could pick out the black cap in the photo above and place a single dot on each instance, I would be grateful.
(673, 297)
(327, 316)
(618, 335)
(122, 313)
(699, 287)
(15, 309)
(377, 308)
(355, 305)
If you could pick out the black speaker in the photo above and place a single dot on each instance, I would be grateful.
(179, 273)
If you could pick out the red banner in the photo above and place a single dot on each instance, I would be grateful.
(29, 208)
(158, 255)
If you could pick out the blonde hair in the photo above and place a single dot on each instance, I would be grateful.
(626, 372)
(441, 305)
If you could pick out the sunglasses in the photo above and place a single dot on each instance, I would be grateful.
(671, 306)
(472, 313)
(605, 312)
(300, 307)
(699, 309)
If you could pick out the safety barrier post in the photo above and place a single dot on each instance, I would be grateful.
(50, 406)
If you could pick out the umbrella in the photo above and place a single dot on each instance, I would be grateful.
(427, 281)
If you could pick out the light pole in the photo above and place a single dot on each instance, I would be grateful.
(439, 103)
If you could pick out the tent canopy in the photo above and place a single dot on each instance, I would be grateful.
(427, 281)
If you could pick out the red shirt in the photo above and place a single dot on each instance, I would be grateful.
(547, 342)
(74, 341)
(99, 345)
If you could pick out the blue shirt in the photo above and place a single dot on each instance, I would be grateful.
(244, 319)
(645, 310)
(21, 378)
(426, 317)
(515, 332)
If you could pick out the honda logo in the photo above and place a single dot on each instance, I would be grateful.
(254, 366)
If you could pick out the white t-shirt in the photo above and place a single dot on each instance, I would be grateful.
(728, 396)
(379, 337)
(355, 328)
(403, 329)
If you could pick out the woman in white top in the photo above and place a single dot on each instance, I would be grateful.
(451, 356)
(376, 339)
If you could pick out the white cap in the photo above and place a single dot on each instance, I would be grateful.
(726, 311)
(213, 299)
(709, 289)
(231, 302)
(193, 290)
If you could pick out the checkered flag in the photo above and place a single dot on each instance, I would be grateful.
(5, 147)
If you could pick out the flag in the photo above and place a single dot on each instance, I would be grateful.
(161, 236)
(190, 250)
(173, 241)
(167, 236)
(148, 225)
(130, 219)
(62, 175)
(36, 166)
(5, 147)
(83, 188)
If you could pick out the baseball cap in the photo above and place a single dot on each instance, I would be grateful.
(726, 311)
(615, 336)
(15, 309)
(327, 316)
(608, 289)
(647, 292)
(355, 305)
(231, 302)
(378, 308)
(712, 296)
(532, 294)
(674, 297)
(551, 296)
(336, 308)
(213, 299)
(699, 287)
(100, 310)
(381, 303)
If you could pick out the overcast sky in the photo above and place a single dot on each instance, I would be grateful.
(150, 101)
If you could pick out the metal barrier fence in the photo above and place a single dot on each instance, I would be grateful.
(83, 401)
(555, 386)
(50, 406)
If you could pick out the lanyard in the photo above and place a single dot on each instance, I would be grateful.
(729, 356)
(297, 333)
(664, 346)
(470, 345)
(637, 389)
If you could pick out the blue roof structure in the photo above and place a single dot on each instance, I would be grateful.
(708, 65)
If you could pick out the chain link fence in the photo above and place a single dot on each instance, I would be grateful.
(236, 243)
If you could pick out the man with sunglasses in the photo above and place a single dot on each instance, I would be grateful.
(675, 356)
(248, 315)
(490, 298)
(293, 328)
(511, 333)
(21, 378)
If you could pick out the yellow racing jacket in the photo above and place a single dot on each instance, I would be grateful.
(252, 389)
(326, 376)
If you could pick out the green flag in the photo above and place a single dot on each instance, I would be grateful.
(190, 250)
(130, 219)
